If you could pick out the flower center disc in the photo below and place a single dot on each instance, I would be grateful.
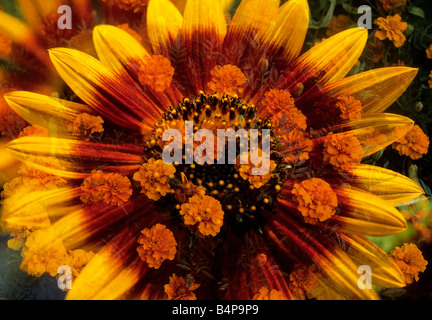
(244, 197)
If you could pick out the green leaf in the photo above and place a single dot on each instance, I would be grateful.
(416, 11)
(324, 22)
(348, 8)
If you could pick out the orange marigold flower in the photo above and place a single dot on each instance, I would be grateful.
(245, 170)
(340, 149)
(85, 125)
(265, 294)
(129, 5)
(391, 28)
(78, 259)
(429, 52)
(43, 252)
(5, 45)
(227, 79)
(132, 32)
(52, 35)
(83, 41)
(154, 178)
(156, 73)
(376, 50)
(111, 188)
(277, 100)
(316, 200)
(262, 258)
(156, 245)
(35, 131)
(32, 172)
(188, 189)
(430, 81)
(280, 105)
(338, 24)
(410, 261)
(351, 108)
(180, 288)
(414, 144)
(388, 5)
(296, 146)
(204, 214)
(302, 281)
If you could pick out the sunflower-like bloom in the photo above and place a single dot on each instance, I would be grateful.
(208, 223)
(391, 28)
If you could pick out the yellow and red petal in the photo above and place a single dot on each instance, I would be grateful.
(107, 92)
(363, 213)
(201, 37)
(386, 83)
(391, 186)
(164, 22)
(386, 273)
(251, 17)
(312, 247)
(43, 110)
(89, 154)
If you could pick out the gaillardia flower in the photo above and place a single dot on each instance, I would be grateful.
(200, 230)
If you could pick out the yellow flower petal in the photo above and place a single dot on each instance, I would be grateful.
(100, 87)
(204, 28)
(335, 264)
(286, 35)
(250, 18)
(364, 213)
(44, 110)
(333, 58)
(391, 186)
(376, 131)
(363, 252)
(105, 277)
(386, 83)
(164, 22)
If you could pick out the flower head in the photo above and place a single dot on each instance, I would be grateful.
(154, 178)
(156, 73)
(204, 213)
(266, 294)
(388, 5)
(391, 28)
(429, 52)
(85, 125)
(111, 188)
(227, 79)
(410, 260)
(342, 149)
(179, 288)
(156, 245)
(350, 107)
(43, 252)
(414, 144)
(316, 200)
(302, 281)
